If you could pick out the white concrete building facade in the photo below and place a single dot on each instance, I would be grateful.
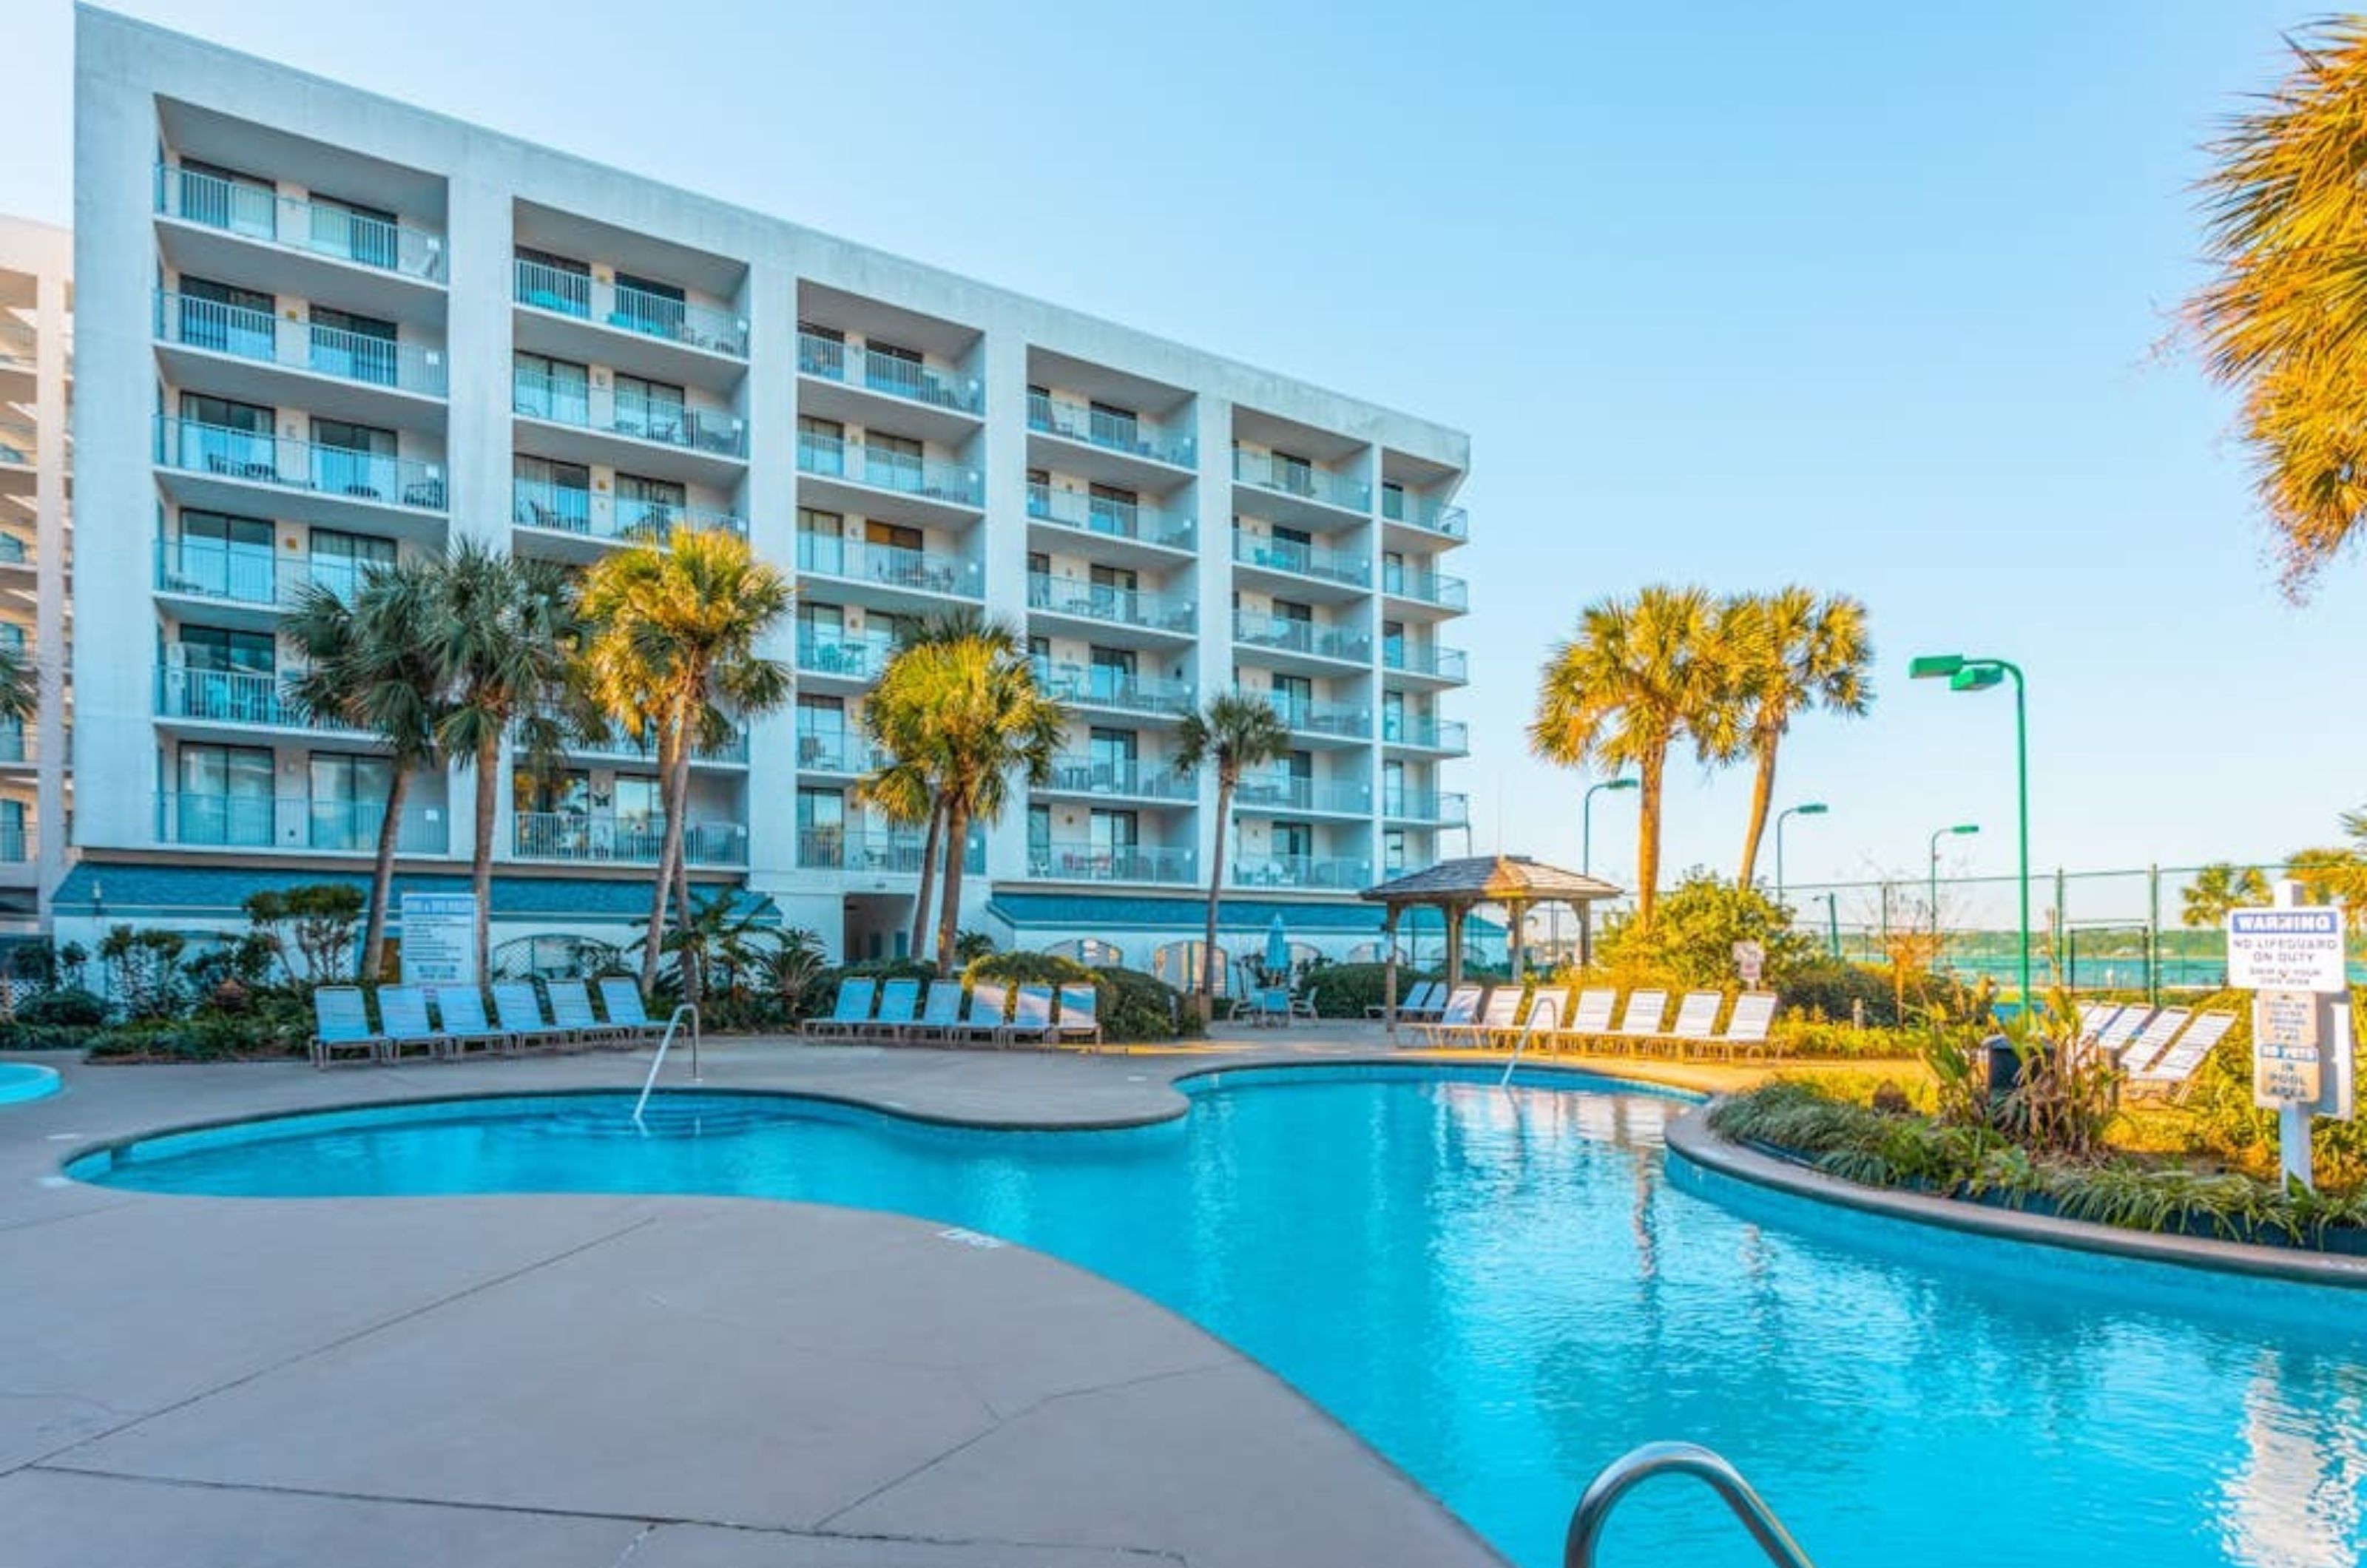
(322, 329)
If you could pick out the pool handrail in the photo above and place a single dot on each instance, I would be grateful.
(1632, 1469)
(657, 1063)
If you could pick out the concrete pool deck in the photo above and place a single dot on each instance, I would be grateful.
(685, 1382)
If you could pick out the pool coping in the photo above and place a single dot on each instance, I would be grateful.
(1690, 1139)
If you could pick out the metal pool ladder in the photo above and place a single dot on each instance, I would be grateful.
(1621, 1476)
(650, 1082)
(1541, 1007)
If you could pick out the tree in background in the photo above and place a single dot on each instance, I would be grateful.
(2217, 888)
(1786, 652)
(910, 791)
(1229, 736)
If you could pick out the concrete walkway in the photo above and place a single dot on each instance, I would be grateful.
(582, 1380)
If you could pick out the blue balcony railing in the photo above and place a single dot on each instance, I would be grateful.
(258, 457)
(265, 338)
(628, 308)
(1303, 481)
(889, 374)
(318, 227)
(1113, 430)
(829, 458)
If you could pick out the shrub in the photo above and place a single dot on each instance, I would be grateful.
(1026, 969)
(15, 1035)
(1132, 1006)
(1815, 1037)
(1695, 926)
(1345, 990)
(70, 1007)
(1830, 988)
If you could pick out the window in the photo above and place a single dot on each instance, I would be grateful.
(225, 198)
(1285, 610)
(1115, 426)
(564, 793)
(890, 368)
(550, 495)
(821, 446)
(1112, 836)
(223, 413)
(821, 351)
(353, 459)
(652, 410)
(232, 321)
(639, 808)
(1393, 500)
(821, 828)
(1111, 509)
(217, 648)
(891, 462)
(549, 282)
(892, 535)
(1110, 755)
(821, 542)
(361, 348)
(1039, 840)
(1393, 571)
(1393, 850)
(647, 505)
(1294, 698)
(646, 305)
(821, 734)
(366, 234)
(1038, 564)
(1393, 642)
(1294, 473)
(225, 796)
(1293, 841)
(340, 561)
(1393, 789)
(348, 799)
(1392, 716)
(223, 557)
(1114, 588)
(1113, 673)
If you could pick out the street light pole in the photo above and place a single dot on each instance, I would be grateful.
(1937, 835)
(1812, 808)
(1978, 675)
(1586, 863)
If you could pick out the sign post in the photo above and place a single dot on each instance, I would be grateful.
(439, 939)
(2294, 960)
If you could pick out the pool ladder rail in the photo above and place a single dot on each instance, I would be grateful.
(1624, 1475)
(658, 1065)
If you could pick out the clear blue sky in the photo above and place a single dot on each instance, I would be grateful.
(1863, 295)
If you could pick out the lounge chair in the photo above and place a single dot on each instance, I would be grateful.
(622, 999)
(1590, 1018)
(460, 1010)
(1745, 1030)
(2124, 1027)
(1080, 1014)
(571, 1008)
(1410, 1008)
(988, 1003)
(1696, 1023)
(1427, 1003)
(1461, 1010)
(403, 1011)
(2174, 1067)
(1502, 1011)
(2155, 1038)
(1031, 1017)
(900, 1008)
(518, 1009)
(940, 1015)
(853, 1005)
(2095, 1017)
(1640, 1024)
(340, 1022)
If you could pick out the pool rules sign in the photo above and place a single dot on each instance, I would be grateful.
(2294, 960)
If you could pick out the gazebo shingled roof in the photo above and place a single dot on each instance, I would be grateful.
(1455, 886)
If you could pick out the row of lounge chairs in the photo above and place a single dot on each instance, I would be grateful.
(901, 1012)
(2156, 1048)
(1591, 1019)
(460, 1025)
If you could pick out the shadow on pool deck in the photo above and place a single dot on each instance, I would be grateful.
(696, 1382)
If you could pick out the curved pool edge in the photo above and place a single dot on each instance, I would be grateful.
(1690, 1139)
(24, 1082)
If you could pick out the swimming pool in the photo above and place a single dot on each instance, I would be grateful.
(26, 1080)
(1504, 1290)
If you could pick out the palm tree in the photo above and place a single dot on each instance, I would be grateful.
(907, 792)
(1233, 734)
(1638, 674)
(2284, 320)
(2217, 888)
(371, 665)
(965, 711)
(20, 687)
(673, 655)
(1786, 652)
(504, 639)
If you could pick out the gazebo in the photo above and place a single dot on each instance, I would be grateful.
(1457, 887)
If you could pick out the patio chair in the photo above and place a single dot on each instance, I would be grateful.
(2155, 1038)
(2171, 1072)
(851, 1008)
(1696, 1023)
(461, 1014)
(340, 1022)
(1268, 1006)
(1462, 1007)
(899, 1005)
(1031, 1017)
(1745, 1030)
(403, 1010)
(622, 1000)
(518, 1009)
(1080, 1013)
(1640, 1024)
(571, 1008)
(940, 1015)
(988, 1005)
(1589, 1018)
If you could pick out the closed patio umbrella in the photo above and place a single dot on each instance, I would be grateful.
(1277, 947)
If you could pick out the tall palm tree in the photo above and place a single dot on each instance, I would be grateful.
(2217, 888)
(969, 706)
(371, 665)
(1639, 674)
(1786, 652)
(2284, 318)
(505, 637)
(672, 654)
(909, 791)
(1232, 735)
(20, 687)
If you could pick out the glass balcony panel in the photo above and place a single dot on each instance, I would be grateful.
(291, 464)
(320, 227)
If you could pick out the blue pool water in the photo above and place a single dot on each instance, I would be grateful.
(1504, 1290)
(26, 1080)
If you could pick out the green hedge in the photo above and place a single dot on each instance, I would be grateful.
(1345, 990)
(1135, 1008)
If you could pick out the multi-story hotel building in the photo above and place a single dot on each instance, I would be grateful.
(322, 329)
(36, 533)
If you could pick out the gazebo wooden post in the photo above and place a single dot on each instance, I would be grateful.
(1390, 973)
(1586, 933)
(1454, 945)
(1516, 955)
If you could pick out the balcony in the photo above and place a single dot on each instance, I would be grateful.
(1262, 470)
(219, 453)
(629, 310)
(1110, 431)
(16, 443)
(15, 550)
(237, 697)
(1109, 519)
(1427, 516)
(731, 753)
(19, 843)
(844, 752)
(1261, 794)
(1413, 732)
(1429, 661)
(1101, 686)
(890, 375)
(889, 853)
(1314, 715)
(597, 515)
(899, 473)
(1109, 863)
(1281, 635)
(18, 744)
(851, 656)
(323, 229)
(885, 566)
(712, 433)
(1132, 779)
(1339, 874)
(17, 345)
(1432, 808)
(294, 822)
(262, 338)
(581, 839)
(248, 574)
(1159, 613)
(1426, 588)
(1267, 554)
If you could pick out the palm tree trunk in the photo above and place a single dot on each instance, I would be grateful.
(480, 864)
(1216, 891)
(693, 960)
(1648, 833)
(948, 922)
(668, 848)
(1762, 795)
(382, 879)
(928, 877)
